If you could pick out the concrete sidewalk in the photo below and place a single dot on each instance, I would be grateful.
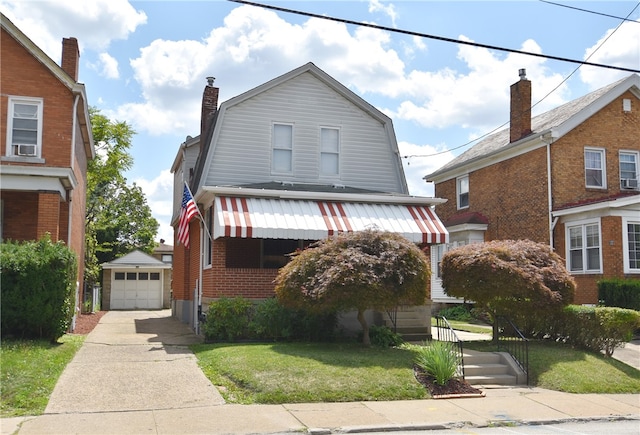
(135, 374)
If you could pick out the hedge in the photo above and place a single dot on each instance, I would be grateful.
(38, 280)
(622, 293)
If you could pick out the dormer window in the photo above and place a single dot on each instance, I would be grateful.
(24, 127)
(463, 191)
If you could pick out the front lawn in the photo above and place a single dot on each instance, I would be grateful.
(308, 372)
(29, 372)
(304, 372)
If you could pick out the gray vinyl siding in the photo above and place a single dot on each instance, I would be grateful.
(242, 151)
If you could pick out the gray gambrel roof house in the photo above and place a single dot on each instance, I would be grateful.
(554, 123)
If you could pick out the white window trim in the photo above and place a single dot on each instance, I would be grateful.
(603, 152)
(12, 101)
(567, 236)
(637, 155)
(325, 127)
(625, 244)
(458, 179)
(273, 147)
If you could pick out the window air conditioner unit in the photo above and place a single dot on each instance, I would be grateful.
(629, 183)
(26, 150)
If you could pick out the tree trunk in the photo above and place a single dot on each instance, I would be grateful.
(366, 340)
(494, 339)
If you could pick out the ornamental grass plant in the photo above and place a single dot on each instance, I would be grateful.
(438, 359)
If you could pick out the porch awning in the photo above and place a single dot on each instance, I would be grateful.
(276, 218)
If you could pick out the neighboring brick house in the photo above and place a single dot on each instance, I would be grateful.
(567, 177)
(294, 160)
(46, 141)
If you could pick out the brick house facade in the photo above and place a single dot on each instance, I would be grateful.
(45, 143)
(270, 178)
(567, 177)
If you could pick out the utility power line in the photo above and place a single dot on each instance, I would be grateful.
(438, 38)
(591, 12)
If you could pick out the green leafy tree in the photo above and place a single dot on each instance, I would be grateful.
(118, 218)
(506, 277)
(355, 271)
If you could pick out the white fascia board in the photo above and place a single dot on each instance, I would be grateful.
(467, 227)
(30, 178)
(208, 192)
(135, 266)
(613, 204)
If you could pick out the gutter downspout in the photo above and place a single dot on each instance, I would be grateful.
(552, 221)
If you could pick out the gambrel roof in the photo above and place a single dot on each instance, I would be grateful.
(553, 124)
(209, 138)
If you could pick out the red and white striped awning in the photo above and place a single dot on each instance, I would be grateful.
(276, 218)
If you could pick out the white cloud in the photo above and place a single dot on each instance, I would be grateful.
(95, 23)
(478, 98)
(109, 66)
(389, 10)
(622, 48)
(159, 194)
(419, 160)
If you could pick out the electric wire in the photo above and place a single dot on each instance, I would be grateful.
(439, 38)
(591, 12)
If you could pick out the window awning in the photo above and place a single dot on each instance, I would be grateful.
(276, 218)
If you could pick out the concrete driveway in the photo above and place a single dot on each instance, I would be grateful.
(134, 360)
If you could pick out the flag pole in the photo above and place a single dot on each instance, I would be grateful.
(204, 223)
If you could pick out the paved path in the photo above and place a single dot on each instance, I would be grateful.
(133, 361)
(135, 375)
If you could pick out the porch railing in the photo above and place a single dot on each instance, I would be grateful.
(446, 333)
(511, 340)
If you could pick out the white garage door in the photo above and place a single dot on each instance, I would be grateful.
(141, 289)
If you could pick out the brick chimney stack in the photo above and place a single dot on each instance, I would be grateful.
(520, 119)
(209, 107)
(70, 57)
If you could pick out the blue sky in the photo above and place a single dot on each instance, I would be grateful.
(145, 62)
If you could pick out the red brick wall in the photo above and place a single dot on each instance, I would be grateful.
(609, 128)
(512, 194)
(220, 281)
(22, 208)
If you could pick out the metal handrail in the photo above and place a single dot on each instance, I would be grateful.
(446, 333)
(512, 341)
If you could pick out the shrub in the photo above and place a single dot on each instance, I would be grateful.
(457, 312)
(599, 328)
(228, 319)
(272, 321)
(622, 293)
(383, 336)
(439, 359)
(38, 282)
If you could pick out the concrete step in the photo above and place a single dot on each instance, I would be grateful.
(491, 379)
(478, 358)
(485, 369)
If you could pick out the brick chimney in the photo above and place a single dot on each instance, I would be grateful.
(209, 107)
(520, 118)
(70, 57)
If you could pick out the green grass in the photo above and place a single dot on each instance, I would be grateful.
(29, 372)
(556, 366)
(477, 327)
(303, 372)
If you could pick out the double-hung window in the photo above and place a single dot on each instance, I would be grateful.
(594, 168)
(24, 127)
(282, 142)
(462, 188)
(584, 247)
(329, 151)
(629, 169)
(631, 241)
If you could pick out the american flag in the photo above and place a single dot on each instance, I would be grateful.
(187, 212)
